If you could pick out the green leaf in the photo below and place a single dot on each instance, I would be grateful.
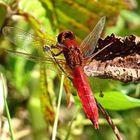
(3, 12)
(68, 13)
(115, 100)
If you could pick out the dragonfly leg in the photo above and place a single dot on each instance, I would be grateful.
(47, 48)
(57, 54)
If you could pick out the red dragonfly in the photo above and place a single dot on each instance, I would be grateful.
(76, 57)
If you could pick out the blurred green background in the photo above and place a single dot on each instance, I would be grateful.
(33, 87)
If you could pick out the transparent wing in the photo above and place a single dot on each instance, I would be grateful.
(52, 63)
(31, 57)
(27, 42)
(31, 47)
(89, 43)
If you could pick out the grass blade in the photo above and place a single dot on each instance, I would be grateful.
(6, 106)
(58, 109)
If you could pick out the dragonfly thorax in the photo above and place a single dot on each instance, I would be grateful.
(73, 56)
(70, 49)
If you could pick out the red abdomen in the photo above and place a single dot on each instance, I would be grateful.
(86, 95)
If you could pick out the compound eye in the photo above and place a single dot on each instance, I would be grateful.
(69, 35)
(65, 35)
(60, 38)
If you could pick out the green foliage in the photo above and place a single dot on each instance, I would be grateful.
(2, 14)
(115, 100)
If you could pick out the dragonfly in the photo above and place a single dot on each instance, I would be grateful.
(71, 58)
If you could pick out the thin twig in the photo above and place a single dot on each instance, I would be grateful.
(109, 120)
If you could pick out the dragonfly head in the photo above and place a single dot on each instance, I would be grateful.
(62, 37)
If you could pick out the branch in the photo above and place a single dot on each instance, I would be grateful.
(109, 120)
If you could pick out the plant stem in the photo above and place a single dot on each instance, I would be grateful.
(109, 120)
(58, 109)
(6, 107)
